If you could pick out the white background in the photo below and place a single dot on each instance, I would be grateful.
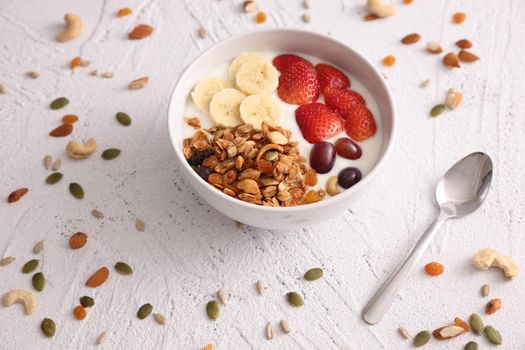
(188, 251)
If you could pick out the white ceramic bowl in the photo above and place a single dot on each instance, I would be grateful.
(286, 41)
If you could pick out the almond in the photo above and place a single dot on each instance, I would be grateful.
(451, 60)
(370, 18)
(493, 306)
(78, 240)
(464, 44)
(411, 39)
(434, 47)
(448, 332)
(141, 31)
(250, 5)
(459, 322)
(16, 195)
(467, 56)
(98, 278)
(138, 84)
(62, 130)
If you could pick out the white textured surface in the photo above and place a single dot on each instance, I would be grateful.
(189, 251)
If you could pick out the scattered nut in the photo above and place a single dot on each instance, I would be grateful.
(448, 332)
(332, 187)
(250, 6)
(464, 44)
(138, 83)
(379, 8)
(467, 56)
(493, 306)
(453, 99)
(94, 72)
(77, 150)
(23, 297)
(451, 60)
(32, 74)
(73, 29)
(411, 39)
(434, 47)
(307, 18)
(488, 257)
(277, 138)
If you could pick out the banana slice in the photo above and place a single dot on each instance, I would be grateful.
(205, 89)
(257, 77)
(224, 107)
(239, 61)
(256, 109)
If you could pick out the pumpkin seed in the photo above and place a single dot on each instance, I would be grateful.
(271, 155)
(48, 327)
(313, 274)
(123, 118)
(39, 246)
(295, 299)
(160, 319)
(123, 268)
(213, 309)
(421, 338)
(39, 281)
(471, 345)
(492, 335)
(110, 153)
(76, 190)
(30, 266)
(476, 323)
(7, 260)
(48, 161)
(437, 110)
(60, 102)
(54, 178)
(86, 301)
(144, 311)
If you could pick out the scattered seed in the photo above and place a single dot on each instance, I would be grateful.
(160, 319)
(125, 11)
(3, 89)
(411, 39)
(260, 287)
(492, 306)
(313, 274)
(285, 326)
(16, 195)
(250, 6)
(485, 290)
(141, 31)
(464, 44)
(39, 246)
(203, 33)
(78, 240)
(307, 4)
(7, 260)
(403, 332)
(56, 165)
(223, 298)
(270, 331)
(213, 309)
(144, 311)
(437, 110)
(260, 17)
(138, 84)
(471, 345)
(476, 323)
(48, 161)
(459, 322)
(102, 338)
(451, 60)
(140, 225)
(76, 190)
(60, 102)
(123, 268)
(458, 17)
(307, 18)
(389, 61)
(424, 83)
(86, 301)
(123, 118)
(97, 213)
(30, 266)
(79, 312)
(48, 327)
(295, 299)
(62, 130)
(492, 335)
(94, 72)
(39, 281)
(108, 75)
(54, 178)
(110, 153)
(421, 338)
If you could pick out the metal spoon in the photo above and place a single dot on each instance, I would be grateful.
(460, 191)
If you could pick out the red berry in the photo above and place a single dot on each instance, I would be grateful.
(282, 62)
(342, 100)
(318, 122)
(331, 76)
(360, 123)
(298, 84)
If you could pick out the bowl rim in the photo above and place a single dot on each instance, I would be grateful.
(292, 209)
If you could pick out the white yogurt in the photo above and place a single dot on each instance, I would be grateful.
(371, 147)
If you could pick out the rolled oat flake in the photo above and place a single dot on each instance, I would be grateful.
(144, 311)
(48, 327)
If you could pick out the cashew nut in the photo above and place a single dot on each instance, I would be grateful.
(73, 29)
(22, 297)
(380, 9)
(488, 257)
(77, 150)
(331, 186)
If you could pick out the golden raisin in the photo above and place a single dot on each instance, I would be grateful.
(434, 268)
(407, 1)
(260, 17)
(125, 11)
(69, 119)
(79, 312)
(75, 62)
(459, 17)
(389, 61)
(311, 197)
(310, 178)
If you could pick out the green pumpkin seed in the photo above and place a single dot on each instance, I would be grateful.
(421, 338)
(144, 311)
(110, 153)
(471, 345)
(476, 324)
(30, 266)
(48, 327)
(295, 299)
(60, 102)
(437, 110)
(123, 118)
(86, 301)
(492, 335)
(123, 268)
(76, 190)
(313, 274)
(213, 309)
(54, 178)
(271, 155)
(39, 281)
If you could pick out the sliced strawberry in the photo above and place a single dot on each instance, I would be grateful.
(360, 123)
(298, 84)
(342, 100)
(331, 76)
(282, 62)
(318, 122)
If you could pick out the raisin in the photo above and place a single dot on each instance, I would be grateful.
(198, 158)
(204, 172)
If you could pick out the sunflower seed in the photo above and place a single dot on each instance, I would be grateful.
(485, 290)
(295, 299)
(421, 338)
(76, 190)
(86, 301)
(110, 153)
(213, 309)
(403, 332)
(307, 18)
(222, 297)
(32, 74)
(39, 281)
(48, 161)
(97, 213)
(203, 33)
(437, 110)
(30, 266)
(140, 225)
(102, 338)
(313, 274)
(56, 165)
(144, 311)
(492, 335)
(108, 75)
(94, 72)
(3, 89)
(307, 4)
(285, 326)
(54, 178)
(123, 268)
(476, 323)
(48, 327)
(471, 345)
(270, 331)
(60, 102)
(39, 246)
(160, 319)
(260, 287)
(7, 260)
(123, 118)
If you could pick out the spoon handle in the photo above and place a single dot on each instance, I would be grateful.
(380, 303)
